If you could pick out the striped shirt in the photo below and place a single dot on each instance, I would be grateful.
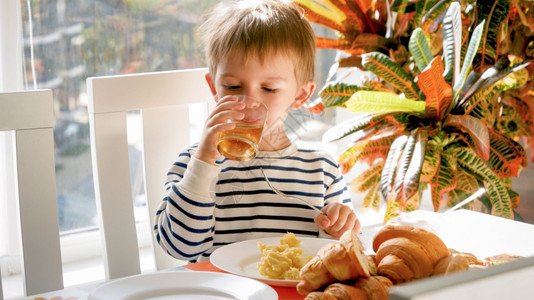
(208, 206)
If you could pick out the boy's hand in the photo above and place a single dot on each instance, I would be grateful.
(227, 108)
(338, 219)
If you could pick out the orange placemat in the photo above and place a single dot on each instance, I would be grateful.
(284, 293)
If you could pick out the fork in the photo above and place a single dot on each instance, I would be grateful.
(286, 196)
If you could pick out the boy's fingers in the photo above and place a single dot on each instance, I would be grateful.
(223, 116)
(322, 221)
(332, 211)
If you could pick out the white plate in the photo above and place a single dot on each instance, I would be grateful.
(241, 258)
(183, 285)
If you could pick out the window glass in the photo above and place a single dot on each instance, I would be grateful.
(70, 40)
(66, 41)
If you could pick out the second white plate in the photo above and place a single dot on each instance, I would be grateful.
(241, 258)
(183, 285)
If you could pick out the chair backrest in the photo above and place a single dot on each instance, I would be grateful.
(163, 99)
(30, 115)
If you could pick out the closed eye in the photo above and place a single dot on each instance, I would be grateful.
(269, 90)
(232, 87)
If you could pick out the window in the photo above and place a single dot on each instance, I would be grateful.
(73, 40)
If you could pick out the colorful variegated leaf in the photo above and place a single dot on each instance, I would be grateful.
(371, 200)
(338, 93)
(452, 42)
(334, 6)
(515, 120)
(413, 203)
(363, 124)
(437, 91)
(430, 166)
(498, 194)
(390, 165)
(467, 182)
(348, 127)
(444, 181)
(367, 42)
(475, 128)
(350, 61)
(507, 157)
(514, 76)
(413, 174)
(456, 196)
(397, 5)
(514, 198)
(428, 13)
(329, 43)
(350, 156)
(368, 178)
(476, 82)
(403, 164)
(453, 198)
(370, 149)
(480, 105)
(468, 60)
(393, 209)
(362, 10)
(382, 66)
(319, 14)
(494, 13)
(420, 49)
(382, 102)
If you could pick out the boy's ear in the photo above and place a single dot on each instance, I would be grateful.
(304, 94)
(211, 83)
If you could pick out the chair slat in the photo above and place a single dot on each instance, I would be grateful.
(30, 115)
(109, 149)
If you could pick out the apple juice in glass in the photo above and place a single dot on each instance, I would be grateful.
(242, 142)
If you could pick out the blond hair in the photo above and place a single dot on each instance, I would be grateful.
(259, 27)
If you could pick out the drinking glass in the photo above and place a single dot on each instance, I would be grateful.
(242, 142)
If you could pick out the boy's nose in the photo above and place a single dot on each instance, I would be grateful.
(252, 95)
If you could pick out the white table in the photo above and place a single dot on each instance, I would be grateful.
(463, 230)
(467, 231)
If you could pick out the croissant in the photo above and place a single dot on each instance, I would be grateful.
(315, 296)
(314, 274)
(336, 261)
(395, 269)
(345, 260)
(433, 245)
(363, 263)
(406, 253)
(341, 291)
(473, 260)
(450, 264)
(375, 287)
(412, 255)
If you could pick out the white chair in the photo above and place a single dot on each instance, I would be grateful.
(30, 116)
(163, 99)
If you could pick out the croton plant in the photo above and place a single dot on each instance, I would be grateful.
(448, 101)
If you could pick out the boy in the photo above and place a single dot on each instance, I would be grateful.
(264, 49)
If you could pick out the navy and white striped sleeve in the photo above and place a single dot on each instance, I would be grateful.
(184, 224)
(337, 190)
